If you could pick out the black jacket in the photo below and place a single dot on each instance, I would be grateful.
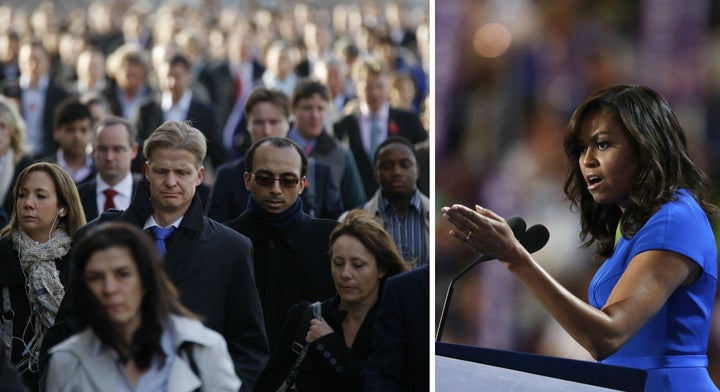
(290, 267)
(12, 277)
(329, 365)
(211, 266)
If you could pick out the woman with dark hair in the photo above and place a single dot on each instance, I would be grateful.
(35, 261)
(137, 335)
(645, 206)
(337, 339)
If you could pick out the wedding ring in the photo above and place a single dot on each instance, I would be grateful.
(467, 238)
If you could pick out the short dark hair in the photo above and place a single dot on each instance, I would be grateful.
(394, 140)
(306, 88)
(70, 110)
(179, 59)
(271, 95)
(279, 142)
(159, 300)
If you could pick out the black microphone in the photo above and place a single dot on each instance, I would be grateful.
(532, 239)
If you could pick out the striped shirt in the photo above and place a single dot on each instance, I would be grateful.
(408, 232)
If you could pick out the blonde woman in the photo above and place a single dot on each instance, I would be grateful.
(14, 155)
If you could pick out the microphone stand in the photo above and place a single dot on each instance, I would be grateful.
(448, 296)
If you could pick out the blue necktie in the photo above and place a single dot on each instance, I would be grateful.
(160, 235)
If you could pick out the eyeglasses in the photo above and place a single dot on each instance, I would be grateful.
(269, 181)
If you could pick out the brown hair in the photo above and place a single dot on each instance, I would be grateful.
(361, 225)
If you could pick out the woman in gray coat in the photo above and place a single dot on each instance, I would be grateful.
(135, 333)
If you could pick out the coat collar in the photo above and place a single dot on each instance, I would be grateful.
(296, 236)
(141, 208)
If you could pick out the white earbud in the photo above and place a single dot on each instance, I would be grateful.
(61, 210)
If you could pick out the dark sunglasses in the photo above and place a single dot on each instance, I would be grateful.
(269, 181)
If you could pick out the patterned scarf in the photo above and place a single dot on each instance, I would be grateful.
(43, 285)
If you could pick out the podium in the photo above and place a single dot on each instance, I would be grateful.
(460, 368)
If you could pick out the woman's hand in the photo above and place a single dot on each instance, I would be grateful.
(318, 329)
(483, 231)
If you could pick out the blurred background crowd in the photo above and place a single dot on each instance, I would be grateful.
(508, 76)
(89, 44)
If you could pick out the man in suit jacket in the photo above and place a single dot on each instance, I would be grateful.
(374, 120)
(230, 86)
(114, 148)
(210, 264)
(178, 103)
(292, 261)
(268, 111)
(400, 357)
(37, 96)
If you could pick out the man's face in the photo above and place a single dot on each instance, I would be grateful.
(177, 80)
(267, 119)
(396, 171)
(173, 176)
(113, 153)
(373, 91)
(310, 116)
(33, 62)
(275, 162)
(74, 137)
(131, 78)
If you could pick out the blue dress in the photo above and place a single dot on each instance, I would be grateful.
(672, 345)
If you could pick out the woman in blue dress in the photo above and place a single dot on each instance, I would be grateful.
(644, 206)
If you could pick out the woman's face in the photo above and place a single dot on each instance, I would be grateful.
(112, 276)
(354, 271)
(37, 206)
(608, 160)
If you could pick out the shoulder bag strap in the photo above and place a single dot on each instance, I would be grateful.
(292, 374)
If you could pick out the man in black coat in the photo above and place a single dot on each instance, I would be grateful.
(373, 120)
(400, 357)
(114, 148)
(292, 261)
(210, 264)
(178, 103)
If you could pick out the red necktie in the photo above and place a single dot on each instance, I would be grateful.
(307, 149)
(238, 87)
(109, 202)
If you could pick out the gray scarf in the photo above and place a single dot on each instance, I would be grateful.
(43, 285)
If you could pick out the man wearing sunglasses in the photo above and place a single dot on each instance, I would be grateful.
(291, 256)
(268, 114)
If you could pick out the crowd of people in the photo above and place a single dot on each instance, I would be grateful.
(178, 186)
